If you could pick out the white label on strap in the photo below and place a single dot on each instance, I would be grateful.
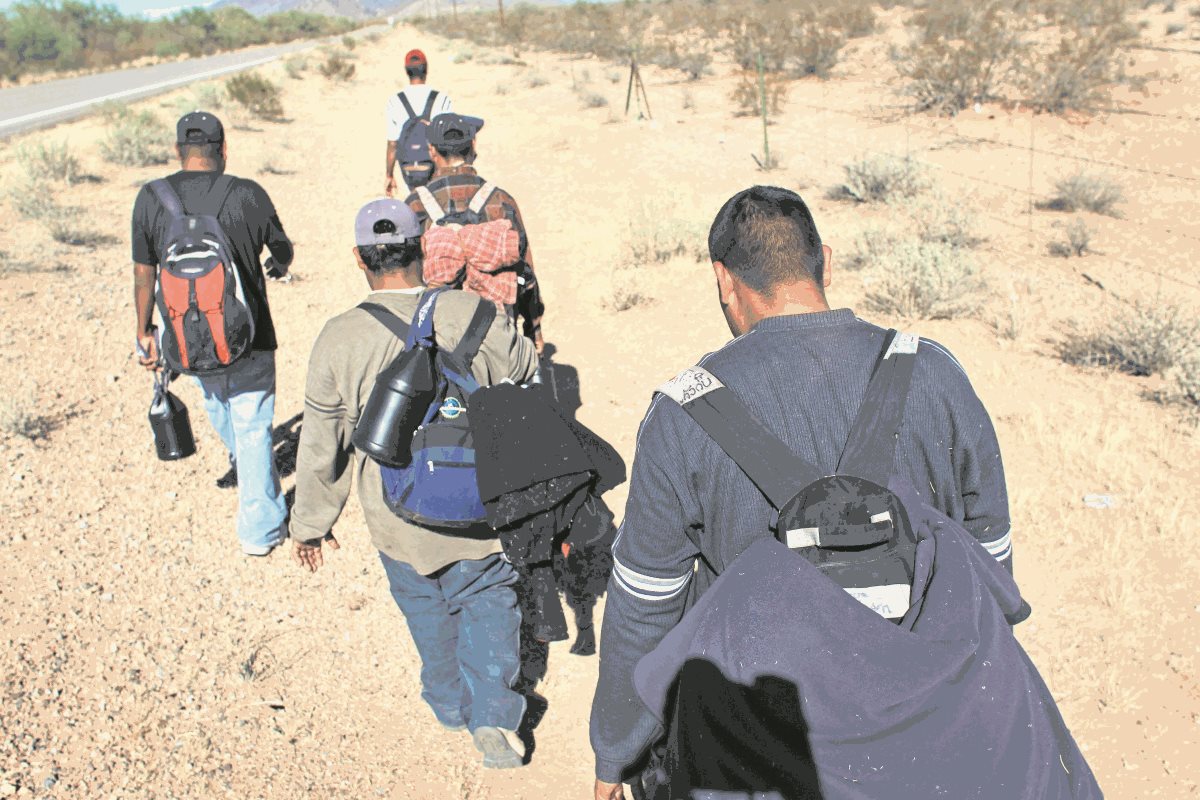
(903, 343)
(693, 382)
(890, 602)
(885, 516)
(803, 537)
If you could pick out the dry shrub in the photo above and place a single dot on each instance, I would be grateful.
(793, 41)
(1076, 242)
(1183, 381)
(337, 68)
(624, 296)
(656, 238)
(1080, 73)
(256, 94)
(854, 19)
(34, 200)
(1139, 339)
(295, 67)
(944, 221)
(135, 139)
(1084, 192)
(871, 246)
(747, 98)
(693, 61)
(535, 80)
(926, 280)
(593, 99)
(960, 57)
(50, 162)
(881, 179)
(16, 419)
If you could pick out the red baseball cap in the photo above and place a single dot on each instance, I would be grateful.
(414, 58)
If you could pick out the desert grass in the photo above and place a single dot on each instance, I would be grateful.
(257, 95)
(54, 161)
(1082, 191)
(882, 179)
(135, 138)
(926, 280)
(1139, 339)
(1075, 241)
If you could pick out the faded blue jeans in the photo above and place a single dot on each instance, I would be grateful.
(241, 406)
(466, 625)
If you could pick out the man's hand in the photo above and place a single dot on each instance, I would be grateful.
(609, 791)
(148, 350)
(309, 554)
(539, 342)
(274, 270)
(389, 188)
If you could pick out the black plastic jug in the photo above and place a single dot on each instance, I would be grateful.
(397, 405)
(169, 421)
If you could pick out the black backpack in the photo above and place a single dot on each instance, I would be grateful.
(207, 324)
(852, 525)
(412, 148)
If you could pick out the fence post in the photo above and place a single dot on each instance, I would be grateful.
(762, 94)
(1030, 211)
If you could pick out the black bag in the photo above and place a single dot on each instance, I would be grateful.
(412, 148)
(850, 524)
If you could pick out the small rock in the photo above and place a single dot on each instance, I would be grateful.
(1101, 501)
(106, 597)
(7, 790)
(113, 378)
(172, 495)
(83, 524)
(17, 477)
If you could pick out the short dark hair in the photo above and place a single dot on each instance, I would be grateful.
(385, 258)
(417, 71)
(209, 151)
(466, 150)
(766, 236)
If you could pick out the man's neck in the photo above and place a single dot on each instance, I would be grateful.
(392, 281)
(416, 81)
(201, 165)
(789, 301)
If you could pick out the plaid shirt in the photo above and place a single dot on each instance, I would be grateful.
(483, 251)
(453, 188)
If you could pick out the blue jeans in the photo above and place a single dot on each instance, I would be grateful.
(466, 625)
(241, 406)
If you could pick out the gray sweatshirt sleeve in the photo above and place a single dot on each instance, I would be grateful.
(653, 563)
(984, 492)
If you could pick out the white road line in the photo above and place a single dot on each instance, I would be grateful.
(117, 95)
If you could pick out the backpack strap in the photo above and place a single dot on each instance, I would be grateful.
(389, 320)
(427, 114)
(420, 331)
(476, 332)
(481, 196)
(768, 462)
(407, 105)
(168, 197)
(432, 207)
(870, 451)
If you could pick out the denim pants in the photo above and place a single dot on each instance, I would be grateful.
(241, 406)
(466, 625)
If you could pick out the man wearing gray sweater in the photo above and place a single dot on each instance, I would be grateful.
(802, 369)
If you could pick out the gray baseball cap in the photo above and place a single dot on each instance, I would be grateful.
(385, 221)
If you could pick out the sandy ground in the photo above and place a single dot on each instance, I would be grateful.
(144, 657)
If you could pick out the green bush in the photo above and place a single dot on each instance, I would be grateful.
(925, 280)
(135, 139)
(48, 35)
(256, 94)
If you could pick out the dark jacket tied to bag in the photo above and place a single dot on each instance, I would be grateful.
(541, 475)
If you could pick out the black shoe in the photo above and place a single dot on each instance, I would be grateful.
(229, 479)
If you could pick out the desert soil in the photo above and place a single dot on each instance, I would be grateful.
(144, 657)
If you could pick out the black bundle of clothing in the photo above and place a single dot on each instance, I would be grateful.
(541, 475)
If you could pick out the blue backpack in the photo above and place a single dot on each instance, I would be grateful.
(438, 488)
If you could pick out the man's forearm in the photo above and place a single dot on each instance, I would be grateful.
(391, 158)
(143, 295)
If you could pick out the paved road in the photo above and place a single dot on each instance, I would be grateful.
(24, 108)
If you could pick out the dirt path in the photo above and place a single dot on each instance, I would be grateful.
(144, 657)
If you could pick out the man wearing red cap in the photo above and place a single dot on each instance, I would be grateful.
(415, 100)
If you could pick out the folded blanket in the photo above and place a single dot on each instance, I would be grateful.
(484, 251)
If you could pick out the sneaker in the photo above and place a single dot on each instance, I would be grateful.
(229, 479)
(501, 748)
(259, 549)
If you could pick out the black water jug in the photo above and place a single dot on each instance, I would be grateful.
(397, 405)
(169, 421)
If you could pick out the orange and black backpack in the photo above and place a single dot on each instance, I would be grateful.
(206, 323)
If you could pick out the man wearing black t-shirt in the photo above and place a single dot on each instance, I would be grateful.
(241, 400)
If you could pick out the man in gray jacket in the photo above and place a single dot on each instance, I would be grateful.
(456, 592)
(801, 369)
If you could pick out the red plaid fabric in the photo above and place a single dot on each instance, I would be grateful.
(484, 251)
